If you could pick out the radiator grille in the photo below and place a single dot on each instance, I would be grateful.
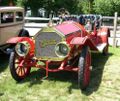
(45, 44)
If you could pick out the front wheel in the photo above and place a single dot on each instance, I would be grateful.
(18, 67)
(84, 68)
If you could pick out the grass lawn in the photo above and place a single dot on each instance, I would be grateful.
(62, 86)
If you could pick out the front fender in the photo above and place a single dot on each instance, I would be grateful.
(84, 41)
(15, 40)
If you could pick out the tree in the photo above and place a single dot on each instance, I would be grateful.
(7, 2)
(106, 7)
(86, 6)
(70, 5)
(116, 5)
(50, 5)
(34, 5)
(102, 7)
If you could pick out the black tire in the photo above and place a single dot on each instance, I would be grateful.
(105, 51)
(15, 70)
(84, 68)
(24, 33)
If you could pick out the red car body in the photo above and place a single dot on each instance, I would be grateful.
(67, 45)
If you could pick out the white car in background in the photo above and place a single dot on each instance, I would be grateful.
(34, 24)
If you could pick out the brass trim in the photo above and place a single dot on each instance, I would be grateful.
(50, 58)
(50, 29)
(67, 47)
(26, 45)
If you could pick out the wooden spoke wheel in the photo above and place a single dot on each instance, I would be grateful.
(84, 68)
(18, 67)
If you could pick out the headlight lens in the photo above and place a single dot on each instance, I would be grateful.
(62, 49)
(22, 48)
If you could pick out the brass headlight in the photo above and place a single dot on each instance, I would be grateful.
(62, 49)
(22, 48)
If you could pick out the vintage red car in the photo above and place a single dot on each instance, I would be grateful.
(67, 45)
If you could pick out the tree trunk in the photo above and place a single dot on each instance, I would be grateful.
(10, 2)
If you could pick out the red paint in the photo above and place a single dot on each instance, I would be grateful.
(15, 40)
(76, 37)
(87, 69)
(67, 28)
(21, 69)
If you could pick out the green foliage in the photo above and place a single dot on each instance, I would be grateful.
(6, 2)
(53, 5)
(49, 5)
(106, 7)
(116, 6)
(35, 5)
(70, 5)
(86, 6)
(20, 2)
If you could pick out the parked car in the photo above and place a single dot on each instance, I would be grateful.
(11, 25)
(67, 45)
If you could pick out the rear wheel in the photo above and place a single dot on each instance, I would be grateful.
(84, 68)
(18, 67)
(105, 51)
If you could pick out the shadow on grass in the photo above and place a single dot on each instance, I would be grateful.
(35, 77)
(98, 64)
(4, 60)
